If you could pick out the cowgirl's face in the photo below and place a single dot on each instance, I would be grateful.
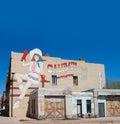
(36, 57)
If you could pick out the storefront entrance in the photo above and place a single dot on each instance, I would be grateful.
(55, 107)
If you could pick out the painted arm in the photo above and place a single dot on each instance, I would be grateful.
(23, 58)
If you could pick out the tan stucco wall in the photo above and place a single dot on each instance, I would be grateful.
(88, 73)
(88, 77)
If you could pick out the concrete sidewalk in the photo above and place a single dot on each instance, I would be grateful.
(8, 120)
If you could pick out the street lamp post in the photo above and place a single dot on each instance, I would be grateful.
(12, 95)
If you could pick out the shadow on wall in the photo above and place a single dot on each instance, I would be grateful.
(3, 112)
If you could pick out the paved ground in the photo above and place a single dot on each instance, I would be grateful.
(106, 120)
(8, 120)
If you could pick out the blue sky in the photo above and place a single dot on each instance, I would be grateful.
(69, 29)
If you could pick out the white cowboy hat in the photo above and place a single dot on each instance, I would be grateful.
(35, 51)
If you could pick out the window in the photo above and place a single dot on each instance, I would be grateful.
(79, 102)
(88, 106)
(75, 80)
(54, 79)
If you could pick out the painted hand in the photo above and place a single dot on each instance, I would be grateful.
(25, 53)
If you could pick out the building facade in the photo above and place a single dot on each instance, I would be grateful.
(55, 73)
(46, 103)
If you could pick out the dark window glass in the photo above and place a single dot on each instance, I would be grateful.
(79, 102)
(75, 80)
(54, 79)
(88, 106)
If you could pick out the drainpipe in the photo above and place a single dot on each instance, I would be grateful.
(12, 95)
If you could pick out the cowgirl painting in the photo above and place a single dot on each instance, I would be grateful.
(34, 76)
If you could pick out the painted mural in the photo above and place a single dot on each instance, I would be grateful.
(63, 70)
(113, 106)
(35, 75)
(62, 67)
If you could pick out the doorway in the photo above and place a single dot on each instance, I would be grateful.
(54, 107)
(101, 109)
(79, 108)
